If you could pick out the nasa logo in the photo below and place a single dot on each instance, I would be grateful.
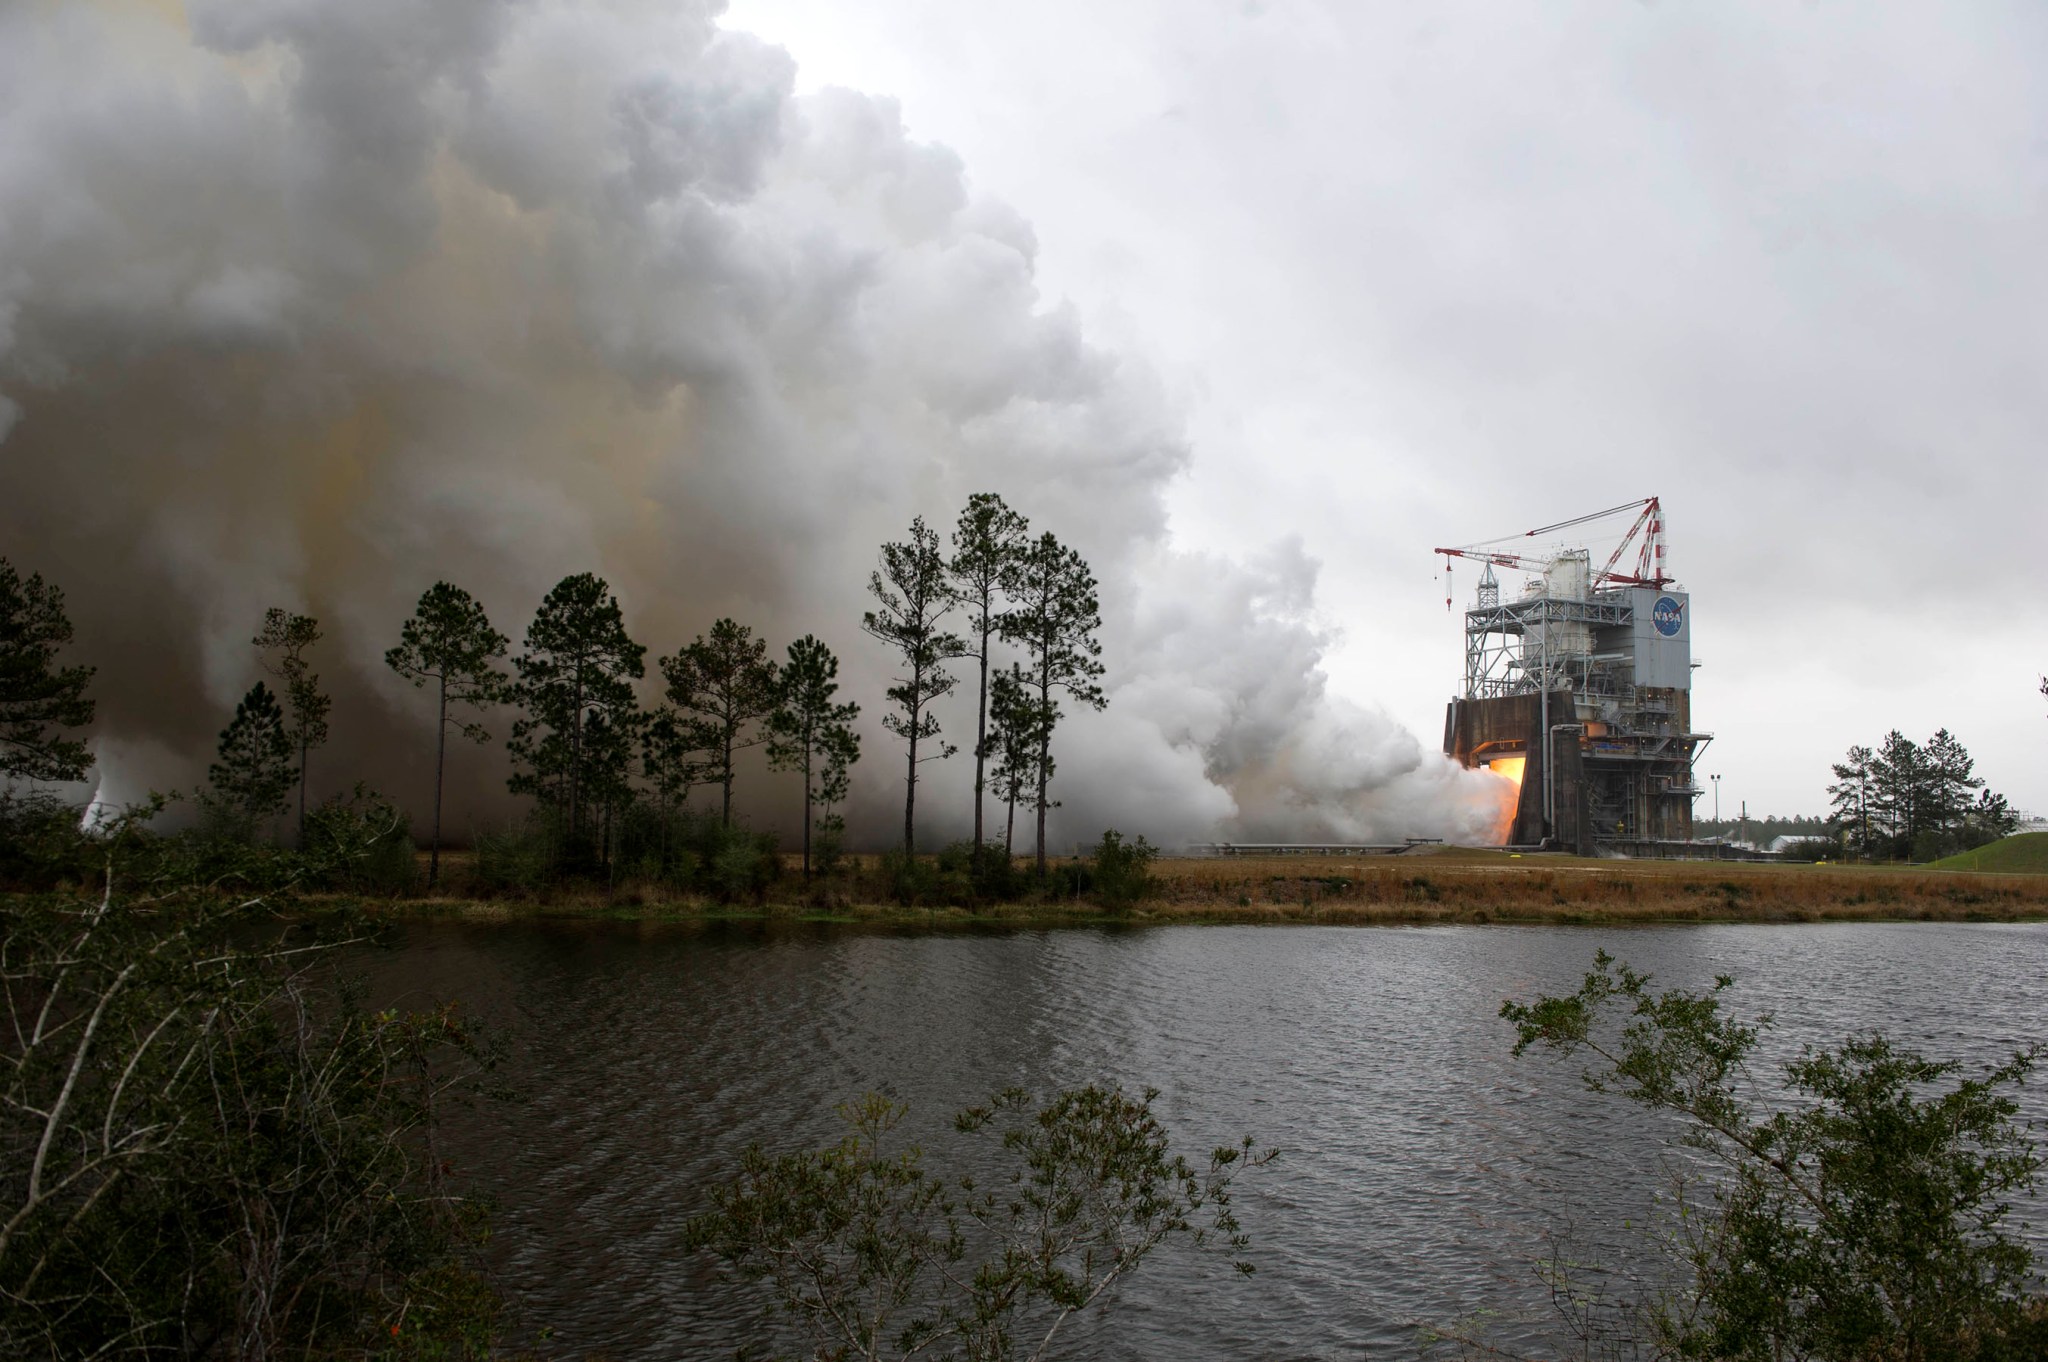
(1669, 616)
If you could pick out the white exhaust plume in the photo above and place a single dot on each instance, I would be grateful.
(311, 304)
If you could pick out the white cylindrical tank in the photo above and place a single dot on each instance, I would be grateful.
(1569, 576)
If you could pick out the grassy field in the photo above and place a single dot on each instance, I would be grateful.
(1440, 885)
(1459, 885)
(2026, 854)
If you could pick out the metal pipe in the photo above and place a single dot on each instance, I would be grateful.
(1550, 759)
(1543, 704)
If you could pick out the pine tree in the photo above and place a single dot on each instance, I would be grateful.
(579, 666)
(1991, 819)
(911, 590)
(610, 739)
(1949, 784)
(726, 684)
(671, 748)
(288, 636)
(809, 733)
(1851, 797)
(450, 642)
(1015, 723)
(1896, 781)
(1917, 801)
(253, 778)
(1054, 616)
(38, 698)
(987, 542)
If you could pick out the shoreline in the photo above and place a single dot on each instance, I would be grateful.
(1447, 886)
(1448, 911)
(1451, 886)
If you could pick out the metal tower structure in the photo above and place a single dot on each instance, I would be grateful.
(1582, 686)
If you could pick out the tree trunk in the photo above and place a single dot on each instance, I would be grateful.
(1010, 828)
(576, 764)
(303, 750)
(440, 769)
(807, 809)
(725, 813)
(1041, 808)
(910, 793)
(980, 734)
(1044, 751)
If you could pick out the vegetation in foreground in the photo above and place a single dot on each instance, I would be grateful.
(1856, 1206)
(209, 1150)
(865, 1253)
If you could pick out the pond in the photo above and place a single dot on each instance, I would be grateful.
(1425, 1173)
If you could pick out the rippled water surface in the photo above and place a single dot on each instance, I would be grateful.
(1422, 1170)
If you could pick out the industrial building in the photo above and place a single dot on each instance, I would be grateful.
(1580, 688)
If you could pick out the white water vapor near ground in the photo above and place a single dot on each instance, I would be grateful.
(314, 304)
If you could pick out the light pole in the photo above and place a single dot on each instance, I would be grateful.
(1717, 798)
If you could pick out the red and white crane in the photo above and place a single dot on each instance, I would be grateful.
(1649, 564)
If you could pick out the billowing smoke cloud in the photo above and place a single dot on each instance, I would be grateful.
(313, 304)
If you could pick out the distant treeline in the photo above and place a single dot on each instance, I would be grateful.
(607, 772)
(1764, 830)
(1903, 800)
(1898, 801)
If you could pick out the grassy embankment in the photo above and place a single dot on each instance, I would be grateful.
(1439, 885)
(2026, 854)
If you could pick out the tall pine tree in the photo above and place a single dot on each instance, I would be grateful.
(450, 642)
(1054, 616)
(1951, 784)
(252, 778)
(726, 684)
(579, 667)
(1850, 796)
(285, 638)
(812, 734)
(1897, 786)
(1017, 742)
(987, 541)
(913, 600)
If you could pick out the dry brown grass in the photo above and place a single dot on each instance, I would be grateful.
(1442, 885)
(1455, 885)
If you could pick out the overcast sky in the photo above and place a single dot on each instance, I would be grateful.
(309, 304)
(1428, 274)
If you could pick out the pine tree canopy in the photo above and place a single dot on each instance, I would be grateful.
(38, 698)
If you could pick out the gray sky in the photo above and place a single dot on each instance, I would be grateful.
(310, 304)
(1427, 274)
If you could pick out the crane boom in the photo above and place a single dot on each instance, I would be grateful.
(1649, 564)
